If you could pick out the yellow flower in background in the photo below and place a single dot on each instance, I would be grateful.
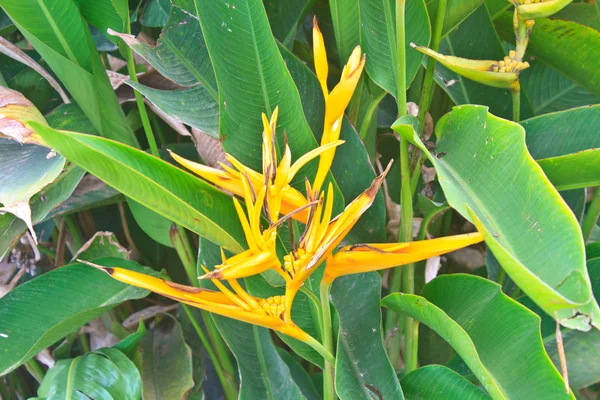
(501, 74)
(533, 9)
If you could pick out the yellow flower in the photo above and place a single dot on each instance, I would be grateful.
(322, 235)
(280, 196)
(371, 257)
(236, 304)
(533, 9)
(336, 101)
(501, 74)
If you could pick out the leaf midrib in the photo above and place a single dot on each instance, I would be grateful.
(156, 185)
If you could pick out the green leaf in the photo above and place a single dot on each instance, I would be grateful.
(105, 14)
(72, 296)
(153, 224)
(63, 39)
(199, 367)
(440, 383)
(129, 344)
(378, 39)
(195, 106)
(345, 20)
(566, 145)
(496, 337)
(252, 79)
(12, 228)
(263, 374)
(549, 90)
(488, 176)
(102, 244)
(568, 47)
(155, 13)
(582, 13)
(284, 17)
(180, 53)
(300, 375)
(166, 361)
(155, 184)
(362, 368)
(103, 374)
(456, 12)
(476, 39)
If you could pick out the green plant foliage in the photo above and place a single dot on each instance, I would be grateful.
(105, 373)
(85, 294)
(378, 38)
(166, 361)
(439, 382)
(200, 205)
(362, 367)
(473, 161)
(496, 337)
(492, 296)
(63, 39)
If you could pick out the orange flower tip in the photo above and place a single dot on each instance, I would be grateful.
(315, 23)
(214, 274)
(108, 270)
(185, 288)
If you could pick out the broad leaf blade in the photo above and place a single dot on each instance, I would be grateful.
(166, 361)
(456, 12)
(63, 39)
(378, 39)
(102, 373)
(72, 296)
(363, 369)
(441, 383)
(155, 184)
(566, 46)
(496, 337)
(488, 176)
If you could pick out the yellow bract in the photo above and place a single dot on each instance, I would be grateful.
(269, 194)
(534, 9)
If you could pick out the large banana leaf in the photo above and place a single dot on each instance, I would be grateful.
(566, 145)
(155, 184)
(488, 176)
(378, 39)
(440, 383)
(345, 20)
(85, 293)
(284, 17)
(362, 370)
(61, 36)
(495, 336)
(456, 12)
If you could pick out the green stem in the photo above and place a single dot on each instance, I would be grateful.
(140, 100)
(329, 373)
(35, 370)
(231, 391)
(591, 217)
(427, 93)
(516, 102)
(184, 250)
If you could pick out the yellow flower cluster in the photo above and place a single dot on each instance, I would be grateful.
(269, 195)
(509, 64)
